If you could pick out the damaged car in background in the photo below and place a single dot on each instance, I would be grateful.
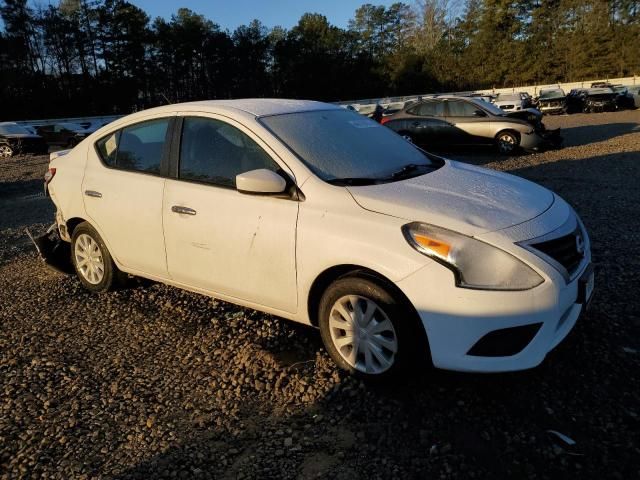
(624, 97)
(552, 101)
(592, 100)
(451, 121)
(16, 139)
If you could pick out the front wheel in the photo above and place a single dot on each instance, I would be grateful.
(6, 151)
(365, 329)
(92, 261)
(507, 142)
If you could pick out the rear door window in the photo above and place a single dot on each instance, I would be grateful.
(459, 108)
(429, 109)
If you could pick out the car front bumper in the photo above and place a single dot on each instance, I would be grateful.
(457, 319)
(541, 140)
(552, 108)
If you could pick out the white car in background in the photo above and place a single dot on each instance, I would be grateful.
(510, 102)
(311, 212)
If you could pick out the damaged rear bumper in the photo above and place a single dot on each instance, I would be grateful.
(54, 252)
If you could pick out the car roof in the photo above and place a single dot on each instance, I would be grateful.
(259, 106)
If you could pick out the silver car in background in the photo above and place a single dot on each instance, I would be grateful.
(450, 121)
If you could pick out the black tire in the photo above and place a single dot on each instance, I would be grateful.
(507, 142)
(411, 342)
(112, 277)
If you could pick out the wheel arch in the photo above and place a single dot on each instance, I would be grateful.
(331, 274)
(508, 130)
(73, 222)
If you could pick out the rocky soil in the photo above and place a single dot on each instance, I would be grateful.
(154, 382)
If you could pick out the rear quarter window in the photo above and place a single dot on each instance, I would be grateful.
(108, 147)
(137, 147)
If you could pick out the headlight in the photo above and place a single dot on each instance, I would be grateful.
(475, 264)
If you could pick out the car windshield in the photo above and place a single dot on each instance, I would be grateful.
(551, 93)
(341, 145)
(510, 97)
(600, 91)
(13, 129)
(490, 107)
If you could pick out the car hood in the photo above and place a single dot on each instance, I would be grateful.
(528, 115)
(467, 199)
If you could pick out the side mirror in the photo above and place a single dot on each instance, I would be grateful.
(479, 113)
(260, 182)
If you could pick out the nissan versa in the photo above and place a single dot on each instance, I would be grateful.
(313, 213)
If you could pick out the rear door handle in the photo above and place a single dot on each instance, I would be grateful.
(183, 210)
(92, 193)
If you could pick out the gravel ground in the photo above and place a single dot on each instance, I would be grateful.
(154, 382)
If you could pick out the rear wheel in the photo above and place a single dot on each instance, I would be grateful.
(365, 329)
(5, 151)
(92, 261)
(507, 142)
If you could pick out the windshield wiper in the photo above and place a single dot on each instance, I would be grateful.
(404, 172)
(408, 170)
(353, 181)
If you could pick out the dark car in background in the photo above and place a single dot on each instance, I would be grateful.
(15, 139)
(624, 98)
(452, 121)
(552, 100)
(591, 100)
(63, 134)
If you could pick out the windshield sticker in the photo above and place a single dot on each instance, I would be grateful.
(364, 124)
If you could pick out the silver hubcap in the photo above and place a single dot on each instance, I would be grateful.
(506, 143)
(363, 334)
(89, 261)
(5, 151)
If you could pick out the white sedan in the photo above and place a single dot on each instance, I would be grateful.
(313, 213)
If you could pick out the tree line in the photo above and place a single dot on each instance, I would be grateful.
(84, 57)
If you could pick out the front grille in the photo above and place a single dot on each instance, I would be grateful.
(568, 250)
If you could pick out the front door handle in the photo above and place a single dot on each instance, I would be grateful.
(183, 210)
(92, 193)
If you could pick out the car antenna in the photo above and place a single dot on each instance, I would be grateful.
(166, 99)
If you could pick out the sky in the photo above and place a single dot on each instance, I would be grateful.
(230, 14)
